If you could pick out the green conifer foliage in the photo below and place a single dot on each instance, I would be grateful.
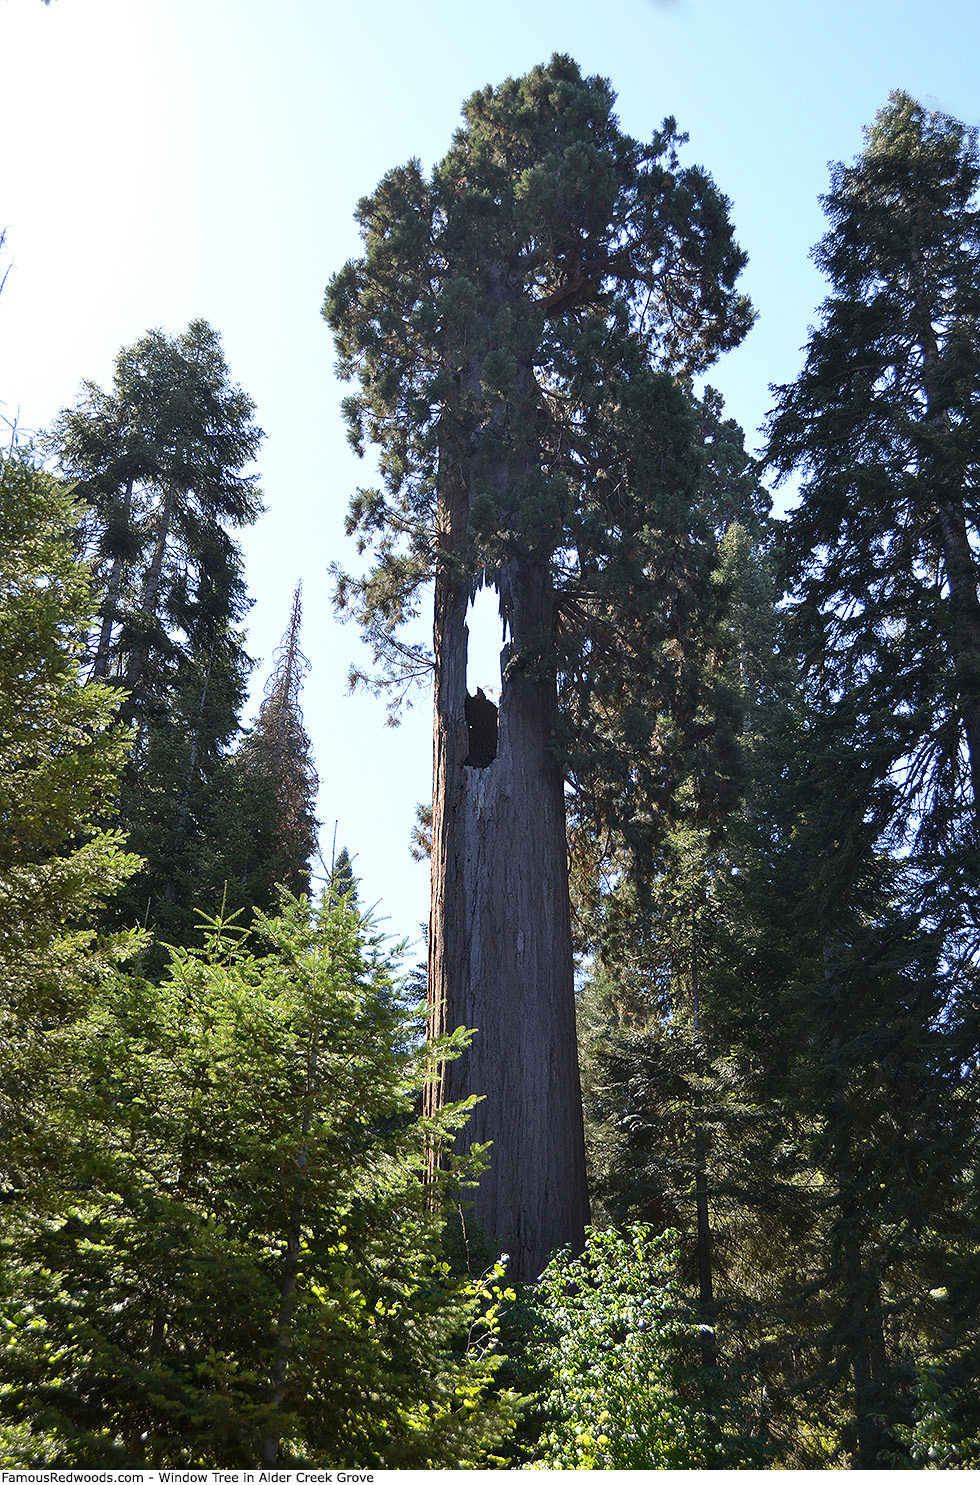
(240, 1264)
(516, 325)
(855, 1037)
(883, 423)
(831, 1075)
(159, 462)
(834, 1084)
(628, 806)
(343, 883)
(265, 831)
(61, 754)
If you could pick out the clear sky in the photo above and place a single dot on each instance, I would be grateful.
(167, 159)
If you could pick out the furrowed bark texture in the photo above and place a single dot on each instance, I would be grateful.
(500, 948)
(500, 958)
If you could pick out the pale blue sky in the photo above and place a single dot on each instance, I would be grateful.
(165, 159)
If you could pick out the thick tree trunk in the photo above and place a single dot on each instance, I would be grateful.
(500, 949)
(500, 939)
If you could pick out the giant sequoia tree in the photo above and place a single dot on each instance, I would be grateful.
(517, 324)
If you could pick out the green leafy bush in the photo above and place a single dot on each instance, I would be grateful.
(943, 1432)
(616, 1341)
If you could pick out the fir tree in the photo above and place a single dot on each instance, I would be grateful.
(158, 461)
(883, 423)
(829, 1076)
(60, 751)
(343, 883)
(837, 1084)
(61, 754)
(268, 831)
(515, 325)
(239, 1263)
(865, 1056)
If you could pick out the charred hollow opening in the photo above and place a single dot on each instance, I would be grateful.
(481, 728)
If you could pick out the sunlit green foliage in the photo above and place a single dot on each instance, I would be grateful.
(616, 1343)
(243, 1263)
(943, 1434)
(159, 465)
(219, 1247)
(61, 752)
